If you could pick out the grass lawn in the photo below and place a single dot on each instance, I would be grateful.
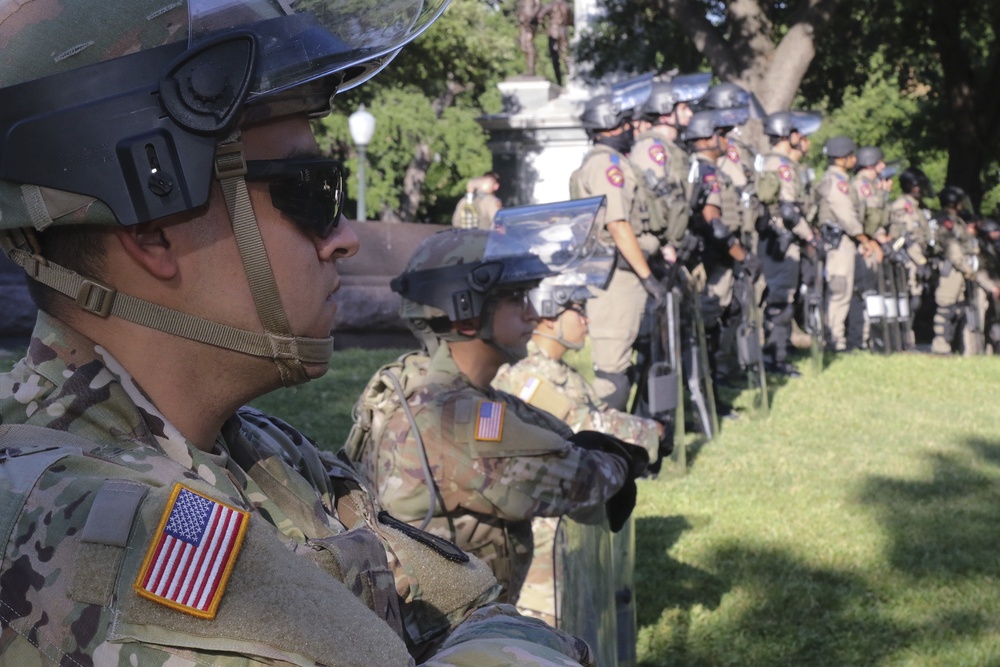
(858, 525)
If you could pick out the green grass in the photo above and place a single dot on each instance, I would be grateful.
(858, 525)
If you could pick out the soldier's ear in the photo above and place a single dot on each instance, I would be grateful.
(147, 245)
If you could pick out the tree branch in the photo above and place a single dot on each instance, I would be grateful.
(708, 39)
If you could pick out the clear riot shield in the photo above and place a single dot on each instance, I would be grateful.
(695, 365)
(623, 555)
(583, 557)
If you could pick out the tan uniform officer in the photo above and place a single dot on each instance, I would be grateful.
(617, 311)
(954, 268)
(872, 195)
(908, 220)
(842, 232)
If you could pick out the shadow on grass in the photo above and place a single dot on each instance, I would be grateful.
(779, 610)
(944, 527)
(786, 613)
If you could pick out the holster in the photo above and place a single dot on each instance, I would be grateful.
(832, 234)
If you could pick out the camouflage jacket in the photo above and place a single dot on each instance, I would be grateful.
(557, 388)
(495, 461)
(126, 545)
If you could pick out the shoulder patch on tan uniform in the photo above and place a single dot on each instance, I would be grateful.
(545, 397)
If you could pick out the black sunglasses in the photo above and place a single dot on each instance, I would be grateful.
(308, 190)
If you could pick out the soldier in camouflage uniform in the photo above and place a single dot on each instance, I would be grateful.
(545, 381)
(843, 234)
(617, 311)
(782, 188)
(444, 450)
(872, 195)
(908, 220)
(148, 520)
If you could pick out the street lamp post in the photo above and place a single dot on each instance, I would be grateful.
(362, 126)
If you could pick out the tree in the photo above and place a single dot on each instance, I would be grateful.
(766, 47)
(427, 143)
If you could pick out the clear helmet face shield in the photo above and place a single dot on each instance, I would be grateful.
(690, 87)
(540, 240)
(146, 87)
(806, 122)
(632, 93)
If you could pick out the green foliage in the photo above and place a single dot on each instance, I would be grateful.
(426, 103)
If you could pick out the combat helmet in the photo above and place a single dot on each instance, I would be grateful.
(912, 178)
(839, 146)
(869, 156)
(121, 113)
(604, 112)
(704, 124)
(556, 294)
(665, 95)
(783, 123)
(460, 274)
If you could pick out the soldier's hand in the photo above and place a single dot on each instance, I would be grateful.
(618, 507)
(655, 289)
(923, 272)
(751, 264)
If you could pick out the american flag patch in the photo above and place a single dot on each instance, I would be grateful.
(192, 554)
(529, 389)
(489, 421)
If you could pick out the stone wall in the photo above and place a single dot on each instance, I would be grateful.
(367, 310)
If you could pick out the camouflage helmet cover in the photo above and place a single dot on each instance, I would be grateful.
(93, 92)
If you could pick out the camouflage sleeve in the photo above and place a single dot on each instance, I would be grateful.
(496, 636)
(506, 468)
(630, 428)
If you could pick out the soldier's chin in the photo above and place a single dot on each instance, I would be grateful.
(516, 352)
(315, 371)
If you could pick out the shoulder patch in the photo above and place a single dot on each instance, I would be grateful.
(866, 190)
(615, 176)
(192, 553)
(710, 178)
(785, 172)
(489, 421)
(657, 153)
(529, 389)
(733, 153)
(907, 207)
(843, 187)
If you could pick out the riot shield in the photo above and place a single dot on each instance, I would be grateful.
(891, 298)
(875, 308)
(748, 347)
(583, 557)
(626, 618)
(815, 308)
(695, 364)
(905, 320)
(973, 323)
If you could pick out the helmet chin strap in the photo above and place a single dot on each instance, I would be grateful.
(559, 336)
(511, 355)
(288, 352)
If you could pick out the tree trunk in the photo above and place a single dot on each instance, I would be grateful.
(749, 57)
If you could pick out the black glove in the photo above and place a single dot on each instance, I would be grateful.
(751, 264)
(619, 506)
(655, 289)
(923, 272)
